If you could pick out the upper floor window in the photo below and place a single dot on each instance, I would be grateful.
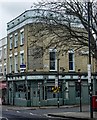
(53, 60)
(10, 64)
(21, 58)
(4, 70)
(10, 42)
(71, 60)
(22, 37)
(16, 40)
(0, 68)
(0, 53)
(5, 52)
(16, 63)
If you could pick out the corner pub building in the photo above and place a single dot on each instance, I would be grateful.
(31, 80)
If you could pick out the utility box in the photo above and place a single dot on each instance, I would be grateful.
(94, 102)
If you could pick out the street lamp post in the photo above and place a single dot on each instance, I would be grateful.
(89, 65)
(79, 81)
(58, 80)
(39, 92)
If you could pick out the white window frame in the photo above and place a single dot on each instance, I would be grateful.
(21, 57)
(10, 64)
(16, 40)
(10, 38)
(73, 62)
(22, 37)
(0, 68)
(4, 69)
(53, 50)
(16, 62)
(5, 51)
(1, 53)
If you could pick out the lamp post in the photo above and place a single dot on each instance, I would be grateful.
(89, 65)
(79, 81)
(39, 84)
(58, 80)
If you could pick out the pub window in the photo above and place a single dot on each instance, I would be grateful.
(77, 89)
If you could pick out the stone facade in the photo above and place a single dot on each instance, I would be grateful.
(32, 75)
(3, 67)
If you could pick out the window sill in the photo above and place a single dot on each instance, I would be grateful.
(16, 47)
(21, 45)
(71, 70)
(53, 70)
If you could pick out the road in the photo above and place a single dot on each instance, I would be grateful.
(27, 115)
(34, 114)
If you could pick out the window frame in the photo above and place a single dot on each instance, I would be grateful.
(10, 39)
(16, 40)
(21, 58)
(10, 64)
(71, 61)
(16, 63)
(1, 53)
(22, 37)
(55, 60)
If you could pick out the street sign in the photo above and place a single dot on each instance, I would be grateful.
(55, 89)
(23, 66)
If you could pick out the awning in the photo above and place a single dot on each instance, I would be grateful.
(3, 85)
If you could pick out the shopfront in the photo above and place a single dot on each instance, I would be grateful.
(36, 89)
(3, 91)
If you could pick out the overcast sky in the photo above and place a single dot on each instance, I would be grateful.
(9, 9)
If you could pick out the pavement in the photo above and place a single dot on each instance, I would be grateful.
(84, 115)
(75, 115)
(11, 107)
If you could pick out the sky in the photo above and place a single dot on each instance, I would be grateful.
(9, 9)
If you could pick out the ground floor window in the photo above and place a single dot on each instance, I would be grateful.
(77, 89)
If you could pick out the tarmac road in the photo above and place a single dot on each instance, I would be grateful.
(16, 115)
(43, 113)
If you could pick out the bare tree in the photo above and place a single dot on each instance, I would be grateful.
(65, 23)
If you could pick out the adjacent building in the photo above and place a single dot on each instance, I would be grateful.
(3, 67)
(37, 79)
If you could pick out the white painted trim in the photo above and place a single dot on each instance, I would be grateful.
(16, 33)
(21, 51)
(4, 47)
(11, 36)
(35, 77)
(71, 51)
(10, 55)
(51, 77)
(15, 53)
(22, 30)
(52, 49)
(4, 64)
